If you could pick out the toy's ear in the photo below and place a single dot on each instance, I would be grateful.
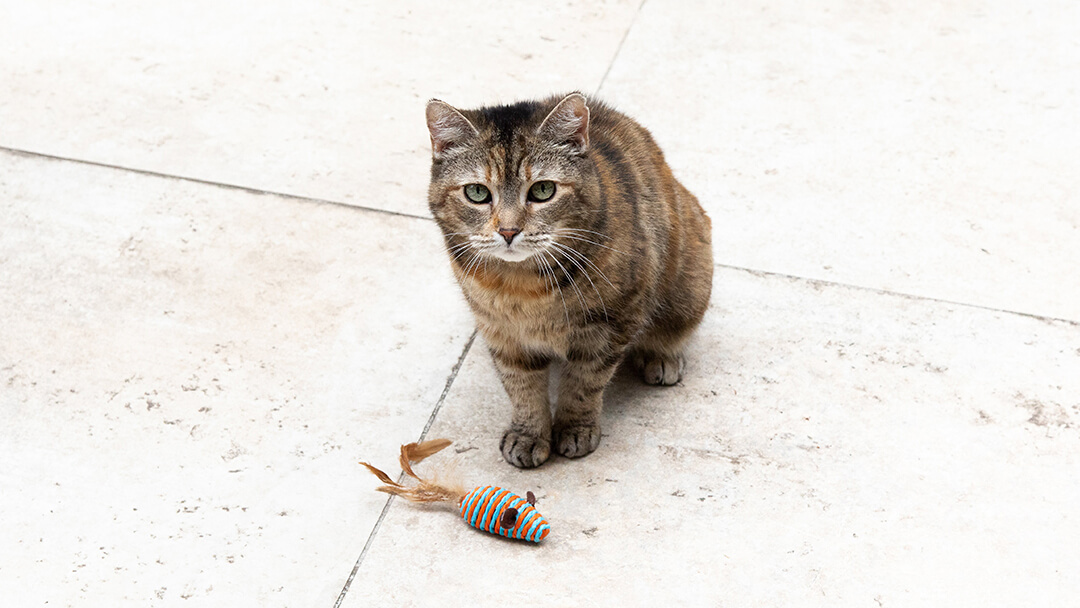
(509, 518)
(530, 498)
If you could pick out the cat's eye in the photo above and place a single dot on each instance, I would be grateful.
(541, 191)
(477, 193)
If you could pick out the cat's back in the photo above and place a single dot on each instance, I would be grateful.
(618, 139)
(632, 170)
(630, 162)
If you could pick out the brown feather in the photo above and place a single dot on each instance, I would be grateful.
(383, 477)
(420, 451)
(415, 452)
(423, 491)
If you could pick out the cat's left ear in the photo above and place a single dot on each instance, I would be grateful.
(448, 127)
(568, 124)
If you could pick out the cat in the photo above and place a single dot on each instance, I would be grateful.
(571, 241)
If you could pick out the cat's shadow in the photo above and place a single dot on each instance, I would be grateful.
(622, 395)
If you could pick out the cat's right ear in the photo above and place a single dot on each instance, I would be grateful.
(449, 129)
(568, 124)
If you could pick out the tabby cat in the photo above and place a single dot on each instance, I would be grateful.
(572, 241)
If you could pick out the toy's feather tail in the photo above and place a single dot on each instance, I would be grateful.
(415, 452)
(424, 490)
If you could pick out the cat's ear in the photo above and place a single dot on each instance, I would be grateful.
(568, 124)
(448, 127)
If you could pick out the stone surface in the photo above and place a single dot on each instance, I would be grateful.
(827, 446)
(188, 376)
(189, 372)
(322, 99)
(928, 150)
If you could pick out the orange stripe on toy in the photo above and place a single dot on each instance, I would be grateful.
(525, 518)
(492, 508)
(489, 508)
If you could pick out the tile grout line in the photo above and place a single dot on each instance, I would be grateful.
(389, 501)
(206, 182)
(618, 49)
(449, 382)
(28, 153)
(899, 294)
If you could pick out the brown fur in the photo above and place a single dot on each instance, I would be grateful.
(617, 262)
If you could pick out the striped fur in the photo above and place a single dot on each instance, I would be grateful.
(484, 508)
(616, 264)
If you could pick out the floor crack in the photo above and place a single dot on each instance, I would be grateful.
(618, 49)
(207, 182)
(899, 294)
(389, 501)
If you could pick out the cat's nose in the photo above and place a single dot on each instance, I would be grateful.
(509, 233)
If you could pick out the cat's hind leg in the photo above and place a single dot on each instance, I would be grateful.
(659, 363)
(658, 352)
(684, 298)
(660, 369)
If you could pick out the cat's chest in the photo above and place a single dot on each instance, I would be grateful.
(521, 312)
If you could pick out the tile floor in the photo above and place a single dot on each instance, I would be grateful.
(220, 288)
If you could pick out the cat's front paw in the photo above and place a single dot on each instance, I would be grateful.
(576, 441)
(524, 451)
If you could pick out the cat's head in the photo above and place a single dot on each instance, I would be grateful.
(506, 181)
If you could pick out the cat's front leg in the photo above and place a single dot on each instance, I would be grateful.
(581, 391)
(527, 443)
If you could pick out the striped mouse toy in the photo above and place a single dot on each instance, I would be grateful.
(488, 508)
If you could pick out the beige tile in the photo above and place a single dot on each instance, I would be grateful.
(927, 150)
(828, 446)
(322, 99)
(188, 376)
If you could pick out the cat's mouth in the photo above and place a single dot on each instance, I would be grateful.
(518, 249)
(516, 252)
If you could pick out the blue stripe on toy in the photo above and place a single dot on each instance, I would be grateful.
(525, 518)
(540, 532)
(470, 503)
(488, 513)
(493, 525)
(480, 505)
(533, 529)
(516, 504)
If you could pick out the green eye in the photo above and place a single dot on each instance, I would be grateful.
(477, 193)
(541, 191)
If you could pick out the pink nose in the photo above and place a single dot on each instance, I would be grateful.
(509, 233)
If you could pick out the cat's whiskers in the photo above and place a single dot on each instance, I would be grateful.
(474, 263)
(457, 249)
(561, 232)
(541, 267)
(585, 259)
(563, 250)
(555, 282)
(599, 234)
(573, 284)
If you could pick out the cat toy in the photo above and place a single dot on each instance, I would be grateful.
(489, 508)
